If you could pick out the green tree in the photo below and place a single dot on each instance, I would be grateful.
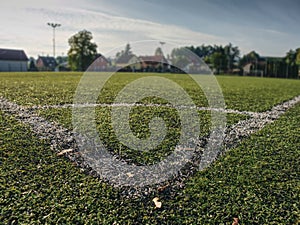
(158, 51)
(251, 57)
(61, 59)
(217, 55)
(32, 66)
(292, 60)
(232, 54)
(298, 56)
(290, 57)
(128, 49)
(202, 51)
(180, 57)
(219, 61)
(82, 51)
(126, 52)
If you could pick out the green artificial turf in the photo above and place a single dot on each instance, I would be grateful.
(240, 93)
(255, 93)
(257, 182)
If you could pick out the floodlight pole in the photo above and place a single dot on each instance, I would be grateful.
(54, 25)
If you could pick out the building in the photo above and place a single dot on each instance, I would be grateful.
(46, 63)
(127, 63)
(12, 60)
(100, 64)
(155, 63)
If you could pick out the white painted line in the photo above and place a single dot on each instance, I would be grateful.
(61, 138)
(64, 106)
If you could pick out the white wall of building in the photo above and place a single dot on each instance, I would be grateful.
(13, 66)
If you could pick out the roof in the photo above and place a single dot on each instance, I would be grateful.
(48, 61)
(100, 62)
(154, 58)
(124, 58)
(13, 54)
(101, 58)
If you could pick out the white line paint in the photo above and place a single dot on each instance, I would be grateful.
(64, 106)
(62, 138)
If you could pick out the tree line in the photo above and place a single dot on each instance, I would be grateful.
(221, 59)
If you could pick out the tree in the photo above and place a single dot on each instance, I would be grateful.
(82, 51)
(298, 61)
(251, 57)
(180, 57)
(232, 54)
(159, 51)
(219, 61)
(128, 49)
(61, 59)
(202, 51)
(32, 66)
(292, 60)
(298, 56)
(126, 52)
(217, 55)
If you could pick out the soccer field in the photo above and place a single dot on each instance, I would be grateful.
(256, 179)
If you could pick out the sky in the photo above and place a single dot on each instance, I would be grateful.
(270, 27)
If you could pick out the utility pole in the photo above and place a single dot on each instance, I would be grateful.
(54, 25)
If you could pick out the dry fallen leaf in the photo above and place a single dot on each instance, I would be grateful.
(235, 221)
(157, 202)
(64, 151)
(162, 188)
(129, 174)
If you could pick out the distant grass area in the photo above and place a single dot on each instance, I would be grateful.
(257, 94)
(241, 93)
(257, 182)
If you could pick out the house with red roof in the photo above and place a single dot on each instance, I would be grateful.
(155, 63)
(100, 64)
(46, 63)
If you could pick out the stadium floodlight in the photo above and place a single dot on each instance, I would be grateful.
(54, 25)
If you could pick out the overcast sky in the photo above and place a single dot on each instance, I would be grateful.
(271, 27)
